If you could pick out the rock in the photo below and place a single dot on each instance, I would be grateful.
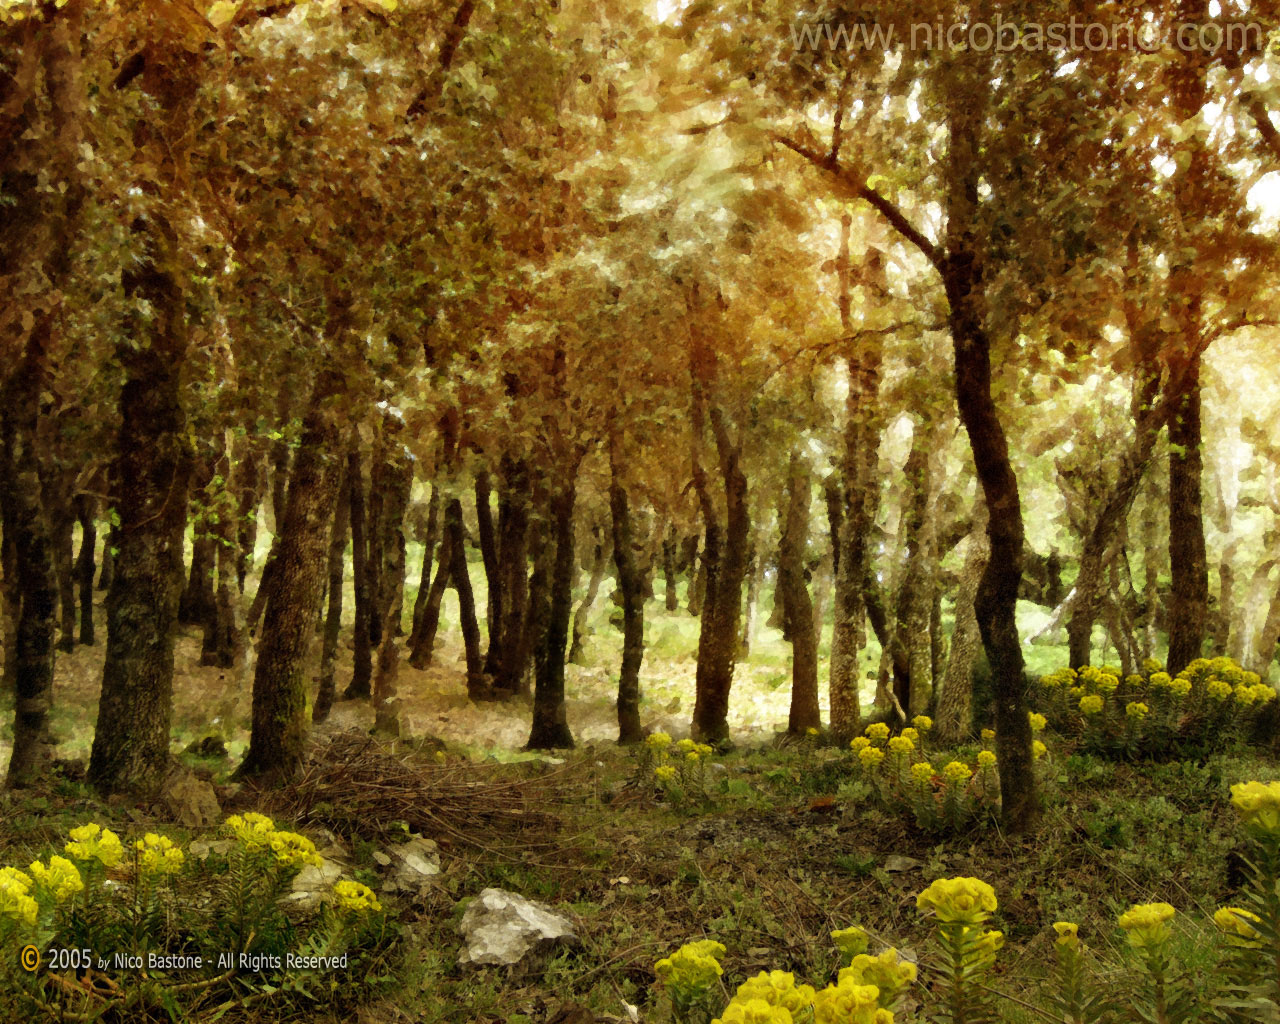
(503, 927)
(381, 859)
(412, 865)
(897, 862)
(189, 801)
(201, 848)
(209, 746)
(313, 884)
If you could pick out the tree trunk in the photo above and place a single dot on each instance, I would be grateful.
(424, 644)
(794, 591)
(489, 555)
(361, 685)
(550, 728)
(1189, 594)
(249, 473)
(12, 595)
(599, 558)
(395, 484)
(508, 661)
(955, 703)
(755, 576)
(85, 509)
(109, 548)
(460, 580)
(278, 736)
(64, 566)
(671, 600)
(375, 540)
(624, 560)
(152, 469)
(327, 689)
(429, 541)
(27, 529)
(698, 583)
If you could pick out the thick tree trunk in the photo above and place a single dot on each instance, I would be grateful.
(361, 685)
(85, 510)
(794, 591)
(327, 689)
(599, 559)
(12, 595)
(698, 583)
(375, 540)
(395, 484)
(624, 560)
(27, 529)
(508, 662)
(955, 704)
(278, 736)
(152, 469)
(550, 728)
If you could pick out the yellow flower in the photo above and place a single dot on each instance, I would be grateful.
(859, 743)
(1152, 665)
(778, 989)
(1161, 680)
(901, 745)
(60, 878)
(693, 968)
(1235, 922)
(1147, 923)
(811, 731)
(988, 735)
(16, 903)
(850, 941)
(1107, 682)
(753, 1011)
(93, 842)
(1068, 933)
(847, 1002)
(1136, 710)
(686, 745)
(252, 830)
(1258, 804)
(692, 757)
(665, 772)
(1244, 695)
(1091, 704)
(986, 759)
(355, 897)
(658, 740)
(157, 855)
(912, 734)
(1180, 687)
(293, 850)
(968, 900)
(1038, 750)
(878, 732)
(705, 749)
(1218, 689)
(922, 772)
(1038, 722)
(870, 757)
(887, 972)
(957, 772)
(922, 722)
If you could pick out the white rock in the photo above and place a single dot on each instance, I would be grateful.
(313, 884)
(503, 927)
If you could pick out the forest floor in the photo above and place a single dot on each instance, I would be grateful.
(783, 847)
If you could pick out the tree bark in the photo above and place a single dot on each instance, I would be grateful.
(550, 728)
(671, 600)
(327, 689)
(85, 510)
(755, 576)
(361, 685)
(152, 469)
(64, 566)
(489, 555)
(1189, 593)
(425, 641)
(955, 703)
(624, 560)
(508, 663)
(429, 541)
(460, 580)
(278, 735)
(804, 714)
(599, 558)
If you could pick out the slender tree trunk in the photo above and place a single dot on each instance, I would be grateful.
(509, 661)
(64, 565)
(460, 580)
(624, 560)
(361, 685)
(152, 469)
(792, 587)
(550, 728)
(327, 689)
(424, 645)
(249, 473)
(12, 595)
(395, 486)
(955, 704)
(375, 540)
(599, 558)
(278, 736)
(429, 541)
(698, 583)
(109, 549)
(755, 576)
(489, 554)
(671, 600)
(85, 565)
(1226, 595)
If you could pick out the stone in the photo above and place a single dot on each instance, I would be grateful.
(413, 864)
(189, 801)
(504, 928)
(897, 862)
(313, 883)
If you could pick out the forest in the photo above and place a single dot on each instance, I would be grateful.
(683, 511)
